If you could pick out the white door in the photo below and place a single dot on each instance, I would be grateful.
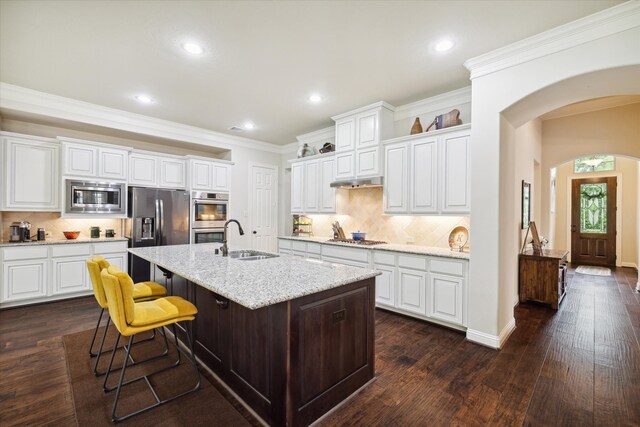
(263, 207)
(455, 173)
(173, 173)
(221, 177)
(346, 165)
(367, 163)
(79, 160)
(201, 175)
(327, 193)
(367, 129)
(143, 170)
(345, 134)
(446, 298)
(413, 288)
(70, 275)
(24, 279)
(297, 188)
(112, 163)
(385, 286)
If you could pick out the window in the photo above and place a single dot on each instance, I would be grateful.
(598, 163)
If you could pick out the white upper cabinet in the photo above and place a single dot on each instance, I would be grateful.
(310, 185)
(358, 137)
(423, 191)
(327, 193)
(209, 175)
(367, 130)
(150, 170)
(173, 173)
(395, 183)
(143, 170)
(93, 160)
(297, 188)
(455, 165)
(435, 177)
(31, 173)
(345, 134)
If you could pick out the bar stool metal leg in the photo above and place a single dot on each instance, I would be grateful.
(95, 332)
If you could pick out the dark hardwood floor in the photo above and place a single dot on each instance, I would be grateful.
(577, 366)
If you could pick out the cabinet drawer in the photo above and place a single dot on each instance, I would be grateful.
(455, 268)
(284, 244)
(71, 249)
(343, 261)
(30, 252)
(351, 254)
(299, 246)
(415, 262)
(109, 247)
(385, 258)
(314, 248)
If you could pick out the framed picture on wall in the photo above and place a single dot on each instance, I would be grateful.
(526, 204)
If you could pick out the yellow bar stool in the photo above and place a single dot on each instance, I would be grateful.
(143, 291)
(131, 318)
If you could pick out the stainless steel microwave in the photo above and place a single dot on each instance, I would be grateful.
(95, 197)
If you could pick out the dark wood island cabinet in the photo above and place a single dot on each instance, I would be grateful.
(290, 361)
(543, 276)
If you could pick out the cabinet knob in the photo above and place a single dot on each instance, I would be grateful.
(255, 232)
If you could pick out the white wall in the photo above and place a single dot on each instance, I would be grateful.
(574, 69)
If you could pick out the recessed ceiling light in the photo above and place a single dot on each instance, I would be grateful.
(144, 99)
(248, 126)
(443, 45)
(193, 48)
(315, 98)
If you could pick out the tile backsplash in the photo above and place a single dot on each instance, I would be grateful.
(363, 211)
(54, 224)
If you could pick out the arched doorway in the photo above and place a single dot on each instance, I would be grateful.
(508, 92)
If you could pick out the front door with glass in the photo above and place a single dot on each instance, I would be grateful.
(593, 221)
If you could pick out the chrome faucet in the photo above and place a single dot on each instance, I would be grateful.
(224, 249)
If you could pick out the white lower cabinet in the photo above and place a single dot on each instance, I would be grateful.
(413, 291)
(432, 288)
(446, 298)
(40, 273)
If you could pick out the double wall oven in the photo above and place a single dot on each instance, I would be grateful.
(208, 215)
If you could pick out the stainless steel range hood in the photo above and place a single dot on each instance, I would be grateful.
(374, 181)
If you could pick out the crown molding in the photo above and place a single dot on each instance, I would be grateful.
(434, 103)
(601, 24)
(289, 148)
(379, 104)
(30, 101)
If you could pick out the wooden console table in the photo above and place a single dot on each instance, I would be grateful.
(543, 276)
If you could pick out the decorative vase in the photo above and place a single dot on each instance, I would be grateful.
(417, 127)
(305, 151)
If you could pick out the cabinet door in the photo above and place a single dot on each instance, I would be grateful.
(367, 129)
(446, 298)
(173, 173)
(221, 173)
(368, 162)
(201, 175)
(395, 179)
(70, 275)
(80, 160)
(455, 173)
(327, 193)
(412, 286)
(23, 280)
(423, 173)
(143, 170)
(385, 286)
(119, 260)
(112, 163)
(345, 165)
(297, 188)
(311, 184)
(32, 175)
(345, 134)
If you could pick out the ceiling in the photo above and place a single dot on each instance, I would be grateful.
(590, 105)
(262, 60)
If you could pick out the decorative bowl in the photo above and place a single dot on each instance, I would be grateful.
(358, 236)
(71, 235)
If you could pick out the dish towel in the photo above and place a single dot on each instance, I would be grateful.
(593, 271)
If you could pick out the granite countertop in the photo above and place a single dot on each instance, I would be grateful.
(253, 284)
(392, 247)
(62, 241)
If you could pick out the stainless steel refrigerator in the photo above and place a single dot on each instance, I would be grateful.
(156, 217)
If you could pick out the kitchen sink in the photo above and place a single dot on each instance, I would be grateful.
(248, 255)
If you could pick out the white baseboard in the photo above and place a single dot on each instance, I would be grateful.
(629, 264)
(489, 340)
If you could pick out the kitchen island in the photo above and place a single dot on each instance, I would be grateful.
(292, 337)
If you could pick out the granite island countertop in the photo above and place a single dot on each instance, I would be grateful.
(392, 247)
(252, 284)
(5, 243)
